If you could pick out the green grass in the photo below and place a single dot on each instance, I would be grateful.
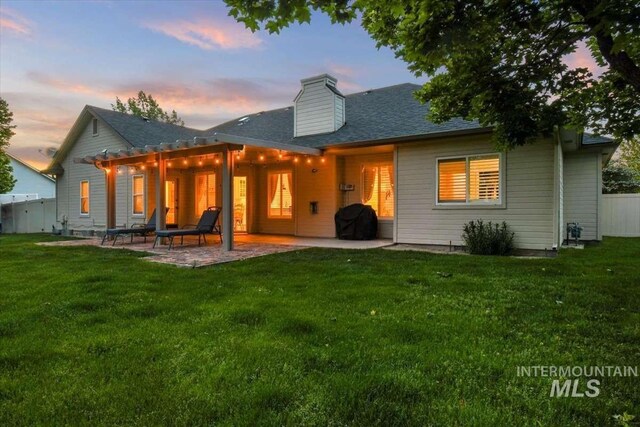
(314, 337)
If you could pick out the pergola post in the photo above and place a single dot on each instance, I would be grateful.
(161, 177)
(110, 187)
(227, 199)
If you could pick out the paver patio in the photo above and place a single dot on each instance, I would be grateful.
(245, 246)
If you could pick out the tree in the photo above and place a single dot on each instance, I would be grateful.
(145, 106)
(6, 132)
(498, 62)
(630, 154)
(618, 178)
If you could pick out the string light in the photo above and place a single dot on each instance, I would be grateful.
(199, 162)
(218, 160)
(322, 159)
(280, 155)
(295, 160)
(119, 170)
(143, 167)
(309, 160)
(107, 170)
(184, 162)
(155, 164)
(261, 157)
(169, 164)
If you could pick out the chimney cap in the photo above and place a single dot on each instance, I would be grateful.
(324, 76)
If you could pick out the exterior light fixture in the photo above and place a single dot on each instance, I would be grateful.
(169, 164)
(322, 159)
(217, 161)
(261, 157)
(295, 160)
(143, 167)
(199, 162)
(280, 155)
(309, 160)
(184, 162)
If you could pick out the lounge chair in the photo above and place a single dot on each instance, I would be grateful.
(208, 224)
(142, 230)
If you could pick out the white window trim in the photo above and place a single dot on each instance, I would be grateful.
(133, 196)
(378, 164)
(477, 203)
(94, 127)
(293, 198)
(88, 213)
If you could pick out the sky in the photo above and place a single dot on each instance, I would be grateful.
(58, 56)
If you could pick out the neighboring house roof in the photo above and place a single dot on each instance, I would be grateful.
(387, 113)
(31, 168)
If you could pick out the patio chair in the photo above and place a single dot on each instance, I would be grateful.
(208, 224)
(140, 229)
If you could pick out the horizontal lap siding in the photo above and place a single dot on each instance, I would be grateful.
(528, 184)
(315, 110)
(320, 186)
(580, 195)
(69, 183)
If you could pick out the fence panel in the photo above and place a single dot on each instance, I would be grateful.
(621, 215)
(31, 216)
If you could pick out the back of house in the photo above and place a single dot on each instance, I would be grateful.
(292, 168)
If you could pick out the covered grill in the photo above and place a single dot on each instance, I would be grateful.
(356, 222)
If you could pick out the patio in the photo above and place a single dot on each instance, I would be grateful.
(246, 246)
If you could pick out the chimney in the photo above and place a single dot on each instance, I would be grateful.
(318, 107)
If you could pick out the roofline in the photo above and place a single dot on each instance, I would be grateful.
(408, 138)
(39, 172)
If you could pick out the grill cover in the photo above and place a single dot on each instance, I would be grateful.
(356, 222)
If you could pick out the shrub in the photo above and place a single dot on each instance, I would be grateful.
(487, 239)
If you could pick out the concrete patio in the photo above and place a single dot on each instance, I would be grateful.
(246, 246)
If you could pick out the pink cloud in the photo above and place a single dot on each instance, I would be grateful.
(582, 58)
(14, 23)
(207, 34)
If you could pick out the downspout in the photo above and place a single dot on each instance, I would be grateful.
(557, 146)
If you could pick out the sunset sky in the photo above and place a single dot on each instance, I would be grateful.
(57, 56)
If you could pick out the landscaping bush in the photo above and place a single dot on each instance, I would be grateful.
(487, 239)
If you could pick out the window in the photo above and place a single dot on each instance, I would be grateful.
(205, 192)
(280, 195)
(84, 197)
(138, 194)
(94, 124)
(377, 188)
(470, 180)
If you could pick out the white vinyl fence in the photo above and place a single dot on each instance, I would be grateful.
(31, 216)
(621, 215)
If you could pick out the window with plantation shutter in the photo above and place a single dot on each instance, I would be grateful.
(470, 180)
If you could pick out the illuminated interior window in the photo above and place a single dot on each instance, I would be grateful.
(84, 197)
(377, 188)
(474, 179)
(280, 195)
(205, 192)
(138, 194)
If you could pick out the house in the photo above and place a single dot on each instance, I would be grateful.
(30, 183)
(287, 171)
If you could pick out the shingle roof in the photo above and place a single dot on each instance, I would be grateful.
(140, 132)
(380, 114)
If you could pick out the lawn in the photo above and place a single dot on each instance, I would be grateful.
(90, 336)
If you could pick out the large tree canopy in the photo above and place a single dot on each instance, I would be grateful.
(6, 132)
(145, 106)
(501, 62)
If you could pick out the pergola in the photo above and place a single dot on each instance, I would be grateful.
(159, 155)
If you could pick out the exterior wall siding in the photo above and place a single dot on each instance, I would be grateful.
(581, 178)
(528, 189)
(68, 184)
(315, 110)
(320, 186)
